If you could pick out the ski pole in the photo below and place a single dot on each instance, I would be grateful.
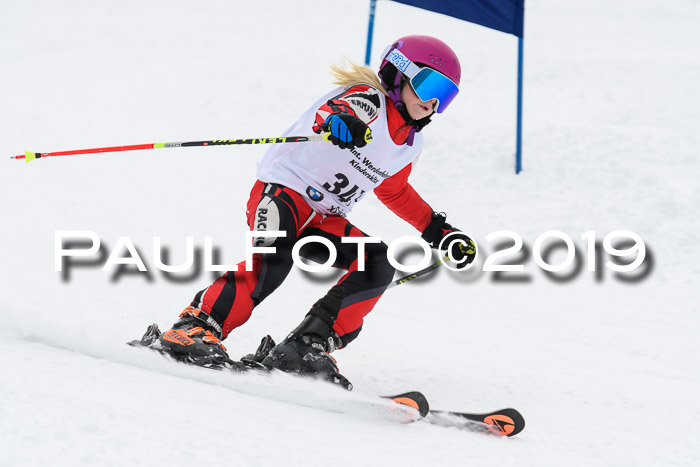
(418, 274)
(29, 156)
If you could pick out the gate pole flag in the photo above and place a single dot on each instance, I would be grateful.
(502, 15)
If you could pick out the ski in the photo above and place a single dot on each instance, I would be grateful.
(408, 407)
(505, 422)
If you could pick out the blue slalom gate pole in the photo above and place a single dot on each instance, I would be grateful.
(370, 30)
(519, 130)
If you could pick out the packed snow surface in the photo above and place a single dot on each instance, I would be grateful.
(603, 365)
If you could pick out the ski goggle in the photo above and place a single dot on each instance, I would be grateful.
(427, 83)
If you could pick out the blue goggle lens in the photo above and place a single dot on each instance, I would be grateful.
(430, 84)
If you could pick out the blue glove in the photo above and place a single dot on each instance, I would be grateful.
(347, 131)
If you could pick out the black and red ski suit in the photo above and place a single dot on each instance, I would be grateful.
(231, 298)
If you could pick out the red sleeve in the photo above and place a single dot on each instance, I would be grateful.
(399, 196)
(361, 101)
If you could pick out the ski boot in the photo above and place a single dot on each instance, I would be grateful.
(307, 351)
(194, 339)
(255, 360)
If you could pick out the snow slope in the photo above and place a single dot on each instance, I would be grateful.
(603, 369)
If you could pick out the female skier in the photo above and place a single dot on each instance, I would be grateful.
(308, 189)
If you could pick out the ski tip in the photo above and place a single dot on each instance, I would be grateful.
(505, 422)
(413, 399)
(518, 421)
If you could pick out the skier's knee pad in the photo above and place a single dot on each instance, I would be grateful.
(271, 214)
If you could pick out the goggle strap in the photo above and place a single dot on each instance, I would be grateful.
(386, 51)
(403, 63)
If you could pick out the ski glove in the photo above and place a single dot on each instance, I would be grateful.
(347, 131)
(462, 249)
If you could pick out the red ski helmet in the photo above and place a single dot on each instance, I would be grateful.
(428, 64)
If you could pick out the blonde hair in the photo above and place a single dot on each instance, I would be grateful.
(348, 73)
